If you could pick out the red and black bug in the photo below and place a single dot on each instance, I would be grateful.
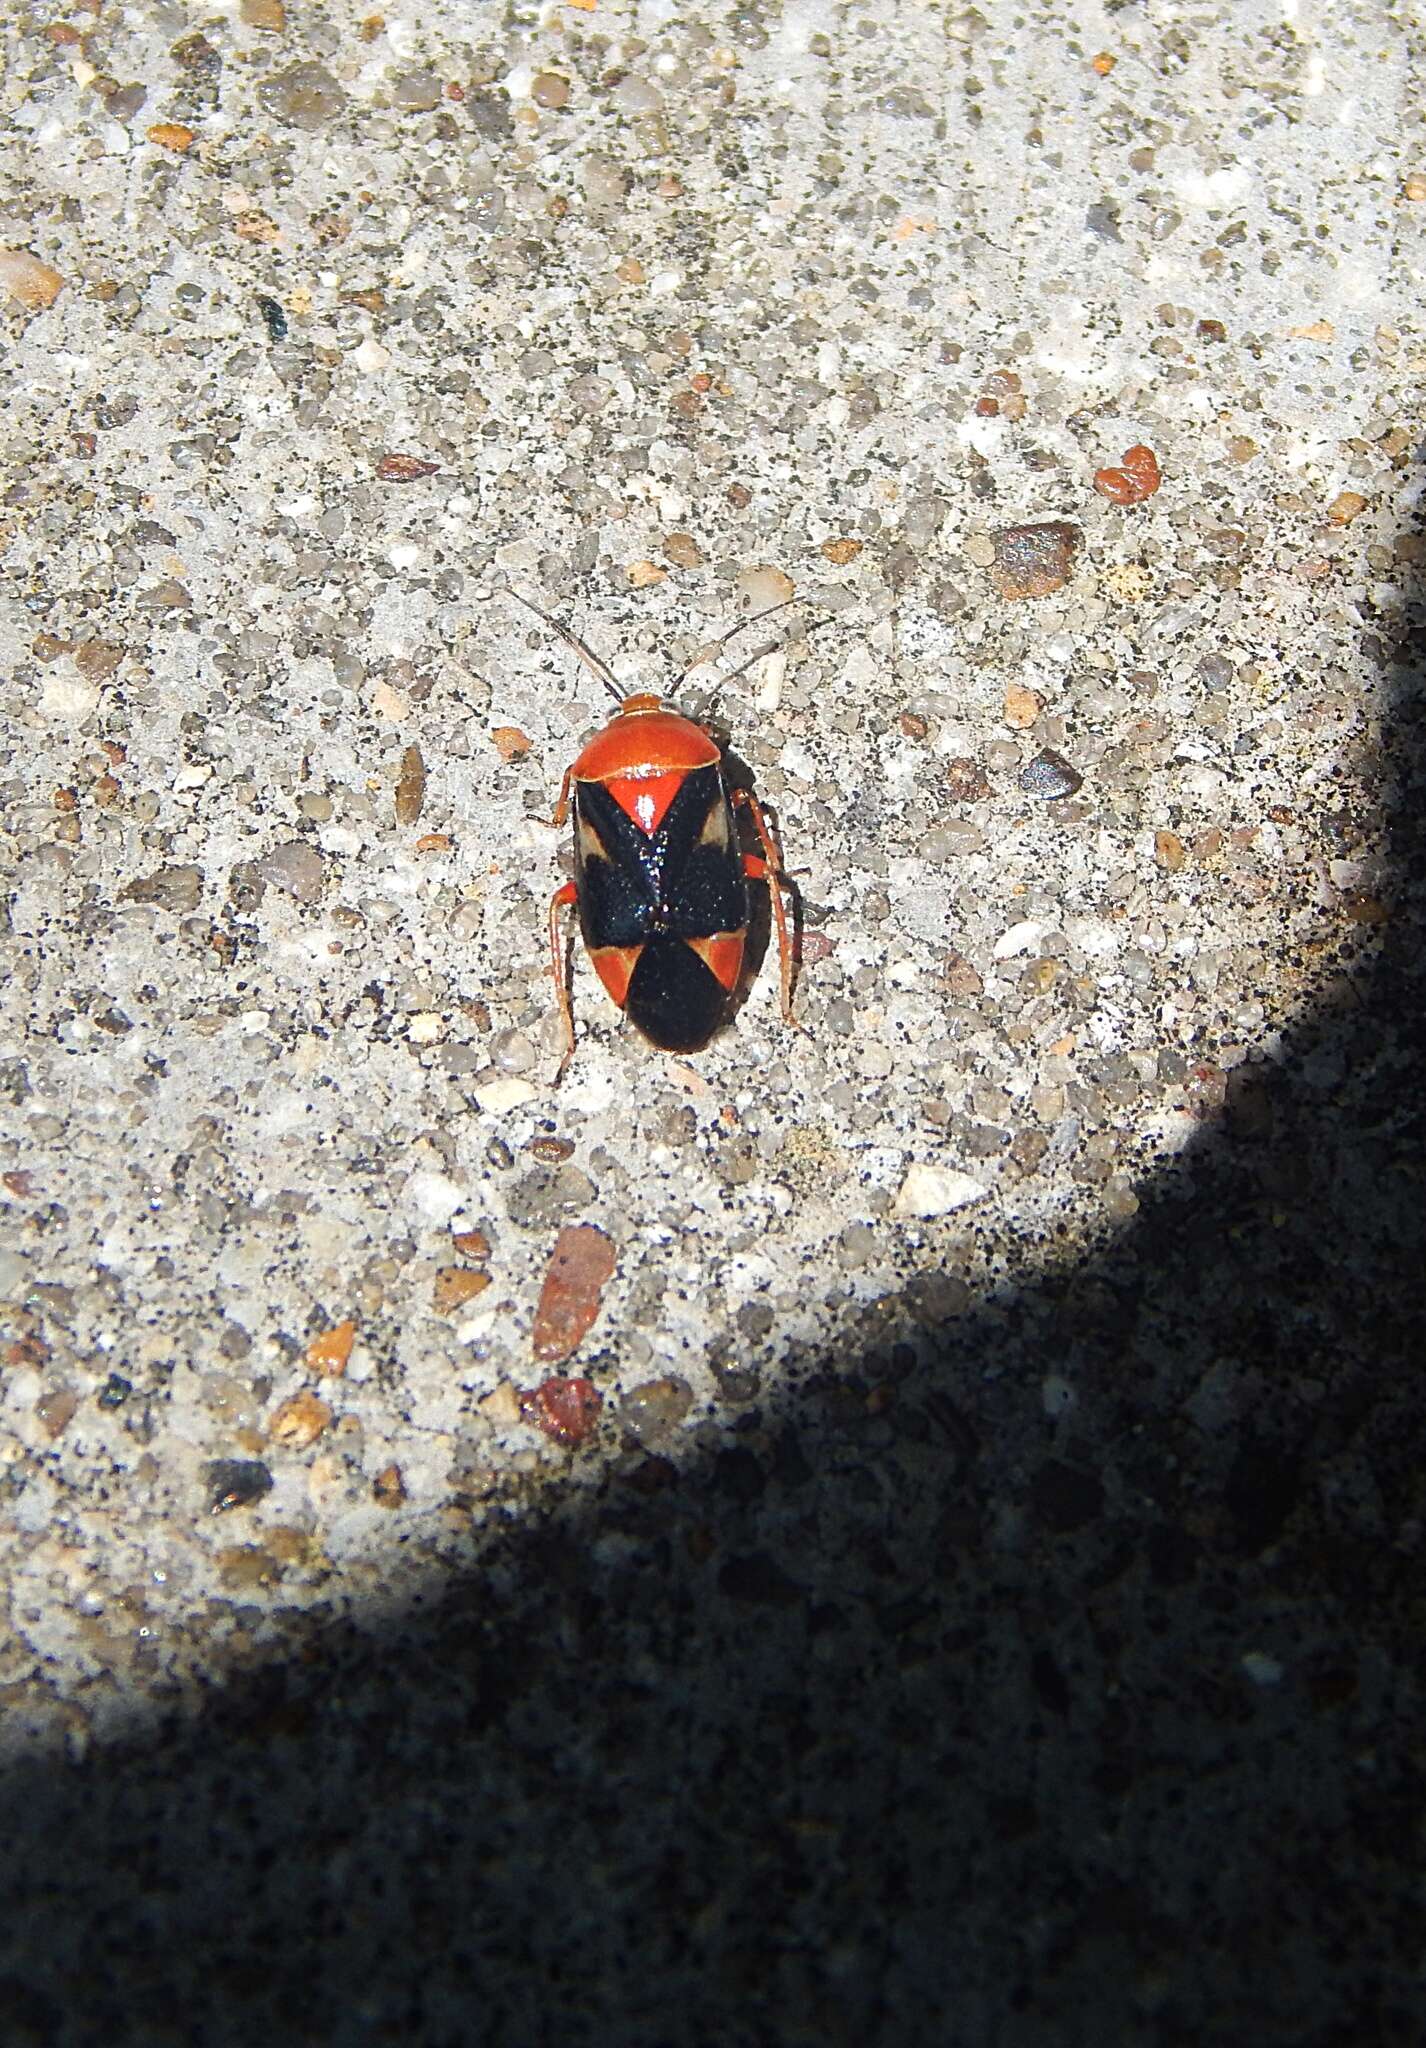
(660, 880)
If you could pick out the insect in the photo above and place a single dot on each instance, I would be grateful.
(660, 879)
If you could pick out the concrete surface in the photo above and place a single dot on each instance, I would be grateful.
(988, 1611)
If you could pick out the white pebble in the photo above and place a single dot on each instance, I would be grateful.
(434, 1195)
(936, 1190)
(771, 672)
(504, 1092)
(1021, 938)
(69, 698)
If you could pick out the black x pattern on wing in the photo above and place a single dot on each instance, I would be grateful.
(672, 883)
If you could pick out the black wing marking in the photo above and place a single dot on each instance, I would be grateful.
(616, 872)
(685, 880)
(673, 998)
(703, 887)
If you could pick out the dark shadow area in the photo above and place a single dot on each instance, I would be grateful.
(912, 1715)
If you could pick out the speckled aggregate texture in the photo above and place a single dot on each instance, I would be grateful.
(987, 1607)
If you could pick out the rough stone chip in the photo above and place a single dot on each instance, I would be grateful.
(304, 96)
(295, 867)
(25, 278)
(1031, 561)
(936, 1190)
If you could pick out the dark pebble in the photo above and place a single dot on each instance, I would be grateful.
(1032, 561)
(235, 1483)
(737, 1384)
(276, 319)
(1050, 775)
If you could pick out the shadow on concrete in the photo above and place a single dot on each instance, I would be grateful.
(911, 1717)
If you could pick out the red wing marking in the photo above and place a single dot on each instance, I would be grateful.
(722, 955)
(615, 967)
(646, 798)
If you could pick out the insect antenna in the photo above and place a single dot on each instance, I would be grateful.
(813, 626)
(711, 648)
(572, 641)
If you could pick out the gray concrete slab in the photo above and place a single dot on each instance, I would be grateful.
(985, 1610)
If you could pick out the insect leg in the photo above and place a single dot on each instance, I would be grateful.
(769, 868)
(562, 807)
(563, 898)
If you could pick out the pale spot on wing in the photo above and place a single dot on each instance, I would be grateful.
(715, 826)
(591, 846)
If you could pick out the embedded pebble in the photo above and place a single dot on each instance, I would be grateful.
(304, 96)
(33, 283)
(1130, 582)
(1021, 938)
(512, 1052)
(962, 978)
(235, 1483)
(604, 182)
(410, 787)
(173, 888)
(1050, 775)
(330, 1351)
(955, 837)
(763, 587)
(1022, 707)
(388, 1488)
(968, 781)
(55, 1409)
(500, 1407)
(454, 1286)
(416, 92)
(566, 1410)
(1135, 480)
(498, 1094)
(652, 1411)
(295, 867)
(930, 1190)
(683, 551)
(548, 89)
(68, 699)
(580, 1267)
(299, 1421)
(1033, 561)
(1345, 507)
